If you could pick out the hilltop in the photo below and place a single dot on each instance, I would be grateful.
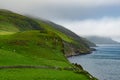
(33, 49)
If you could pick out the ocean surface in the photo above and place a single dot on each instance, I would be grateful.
(103, 63)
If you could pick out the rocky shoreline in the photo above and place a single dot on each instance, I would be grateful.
(79, 53)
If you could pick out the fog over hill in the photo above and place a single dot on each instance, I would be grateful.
(84, 17)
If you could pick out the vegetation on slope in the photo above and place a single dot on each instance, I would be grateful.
(25, 42)
(35, 48)
(40, 74)
(33, 44)
(72, 43)
(10, 21)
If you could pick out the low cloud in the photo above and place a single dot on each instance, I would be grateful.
(84, 17)
(64, 9)
(106, 26)
(83, 3)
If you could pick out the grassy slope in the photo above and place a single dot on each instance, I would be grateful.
(72, 42)
(32, 48)
(17, 49)
(10, 21)
(60, 34)
(31, 45)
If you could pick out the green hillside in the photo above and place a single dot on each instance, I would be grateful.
(31, 44)
(32, 50)
(72, 42)
(10, 21)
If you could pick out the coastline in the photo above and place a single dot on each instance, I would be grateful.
(79, 53)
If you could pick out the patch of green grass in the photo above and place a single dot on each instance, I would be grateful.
(8, 58)
(40, 74)
(32, 48)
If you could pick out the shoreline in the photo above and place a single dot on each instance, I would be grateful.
(78, 54)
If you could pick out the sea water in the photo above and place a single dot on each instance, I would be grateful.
(104, 63)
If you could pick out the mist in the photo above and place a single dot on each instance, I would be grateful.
(105, 27)
(84, 17)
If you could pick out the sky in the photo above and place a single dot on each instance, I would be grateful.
(84, 17)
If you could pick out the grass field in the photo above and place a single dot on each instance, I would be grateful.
(40, 74)
(34, 50)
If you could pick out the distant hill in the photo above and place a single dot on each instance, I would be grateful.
(91, 44)
(101, 40)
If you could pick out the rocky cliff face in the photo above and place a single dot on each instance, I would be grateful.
(72, 50)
